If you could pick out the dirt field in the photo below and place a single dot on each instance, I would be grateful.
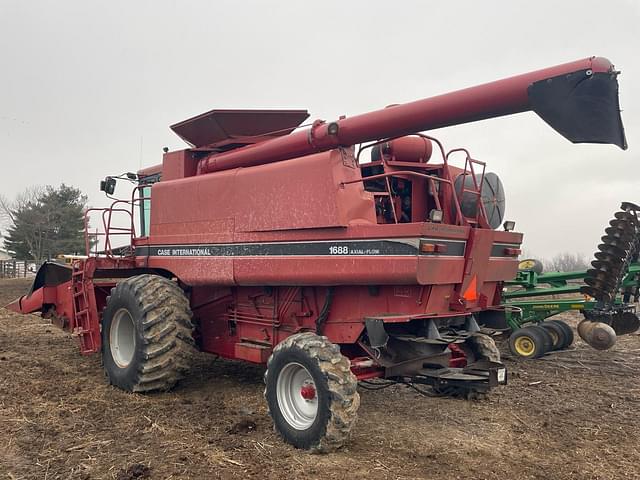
(573, 415)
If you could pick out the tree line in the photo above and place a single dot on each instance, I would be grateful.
(567, 262)
(44, 222)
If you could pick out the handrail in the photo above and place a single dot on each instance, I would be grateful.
(459, 217)
(107, 217)
(395, 173)
(481, 213)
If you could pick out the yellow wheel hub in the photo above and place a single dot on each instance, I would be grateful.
(525, 346)
(526, 264)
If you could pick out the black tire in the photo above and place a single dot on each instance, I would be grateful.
(558, 334)
(154, 313)
(530, 265)
(334, 387)
(480, 347)
(568, 332)
(530, 342)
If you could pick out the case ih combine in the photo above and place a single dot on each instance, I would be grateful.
(281, 246)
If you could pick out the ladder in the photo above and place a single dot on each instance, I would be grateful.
(475, 189)
(85, 322)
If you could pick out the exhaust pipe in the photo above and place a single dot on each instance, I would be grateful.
(597, 334)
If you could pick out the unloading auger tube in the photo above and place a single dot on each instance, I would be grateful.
(578, 99)
(620, 246)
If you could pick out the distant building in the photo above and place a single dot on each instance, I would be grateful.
(4, 255)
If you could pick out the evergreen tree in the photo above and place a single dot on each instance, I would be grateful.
(48, 224)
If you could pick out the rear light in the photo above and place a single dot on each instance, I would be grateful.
(512, 252)
(509, 225)
(426, 247)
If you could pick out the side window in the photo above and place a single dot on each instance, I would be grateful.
(145, 217)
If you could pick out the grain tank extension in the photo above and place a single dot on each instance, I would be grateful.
(334, 253)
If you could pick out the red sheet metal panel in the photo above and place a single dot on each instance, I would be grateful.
(214, 127)
(301, 193)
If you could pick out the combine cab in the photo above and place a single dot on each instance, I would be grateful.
(290, 247)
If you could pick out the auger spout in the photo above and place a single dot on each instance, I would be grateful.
(578, 99)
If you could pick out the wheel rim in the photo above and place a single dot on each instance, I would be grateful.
(122, 338)
(526, 264)
(297, 396)
(524, 346)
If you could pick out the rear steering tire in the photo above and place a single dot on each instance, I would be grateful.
(311, 392)
(530, 342)
(481, 347)
(147, 341)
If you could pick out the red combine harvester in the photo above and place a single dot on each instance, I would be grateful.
(283, 247)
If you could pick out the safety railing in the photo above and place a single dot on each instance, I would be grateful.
(447, 179)
(469, 171)
(108, 230)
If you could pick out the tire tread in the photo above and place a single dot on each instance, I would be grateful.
(342, 384)
(166, 328)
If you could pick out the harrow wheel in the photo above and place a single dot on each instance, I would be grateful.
(530, 264)
(568, 333)
(147, 340)
(557, 333)
(530, 342)
(311, 392)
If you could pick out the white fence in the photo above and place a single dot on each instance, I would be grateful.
(17, 268)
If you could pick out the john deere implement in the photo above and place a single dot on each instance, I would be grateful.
(609, 290)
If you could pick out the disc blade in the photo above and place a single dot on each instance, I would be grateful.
(613, 268)
(623, 235)
(625, 323)
(612, 250)
(629, 217)
(596, 293)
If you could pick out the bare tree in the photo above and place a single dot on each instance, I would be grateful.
(567, 262)
(5, 212)
(9, 207)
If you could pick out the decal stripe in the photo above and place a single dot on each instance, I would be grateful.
(333, 248)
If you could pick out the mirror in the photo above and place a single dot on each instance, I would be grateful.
(108, 185)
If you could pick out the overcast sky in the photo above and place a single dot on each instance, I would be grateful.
(89, 88)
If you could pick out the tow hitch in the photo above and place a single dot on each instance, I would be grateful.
(480, 376)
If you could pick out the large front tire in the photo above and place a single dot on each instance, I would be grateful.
(311, 392)
(147, 340)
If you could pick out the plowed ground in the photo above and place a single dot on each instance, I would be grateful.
(573, 414)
